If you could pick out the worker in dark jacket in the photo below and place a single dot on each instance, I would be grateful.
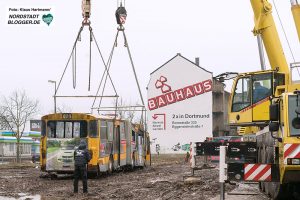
(81, 157)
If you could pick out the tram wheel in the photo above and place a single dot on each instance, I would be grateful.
(132, 162)
(110, 166)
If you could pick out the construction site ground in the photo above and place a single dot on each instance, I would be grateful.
(163, 180)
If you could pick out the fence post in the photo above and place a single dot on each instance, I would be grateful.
(222, 171)
(193, 156)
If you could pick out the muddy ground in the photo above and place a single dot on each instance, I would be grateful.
(163, 180)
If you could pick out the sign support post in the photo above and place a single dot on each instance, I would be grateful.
(222, 171)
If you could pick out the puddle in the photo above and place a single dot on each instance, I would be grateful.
(23, 196)
(10, 177)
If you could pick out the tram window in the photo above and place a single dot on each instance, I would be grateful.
(43, 131)
(133, 136)
(83, 129)
(110, 131)
(51, 130)
(241, 98)
(76, 130)
(103, 130)
(262, 87)
(143, 141)
(139, 139)
(122, 131)
(59, 129)
(93, 129)
(68, 130)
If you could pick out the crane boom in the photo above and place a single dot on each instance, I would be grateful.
(296, 14)
(265, 26)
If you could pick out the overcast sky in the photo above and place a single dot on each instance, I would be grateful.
(219, 32)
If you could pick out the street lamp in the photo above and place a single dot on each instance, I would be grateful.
(54, 96)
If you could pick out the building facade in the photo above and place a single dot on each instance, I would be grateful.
(179, 105)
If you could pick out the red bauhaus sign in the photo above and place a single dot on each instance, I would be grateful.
(170, 97)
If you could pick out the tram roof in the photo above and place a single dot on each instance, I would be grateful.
(77, 116)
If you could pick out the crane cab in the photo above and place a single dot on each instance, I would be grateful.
(250, 97)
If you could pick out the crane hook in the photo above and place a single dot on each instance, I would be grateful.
(121, 14)
(86, 11)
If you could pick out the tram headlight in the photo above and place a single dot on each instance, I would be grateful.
(293, 161)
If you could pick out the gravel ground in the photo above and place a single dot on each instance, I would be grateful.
(163, 180)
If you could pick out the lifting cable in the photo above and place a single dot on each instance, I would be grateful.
(74, 46)
(106, 70)
(133, 68)
(90, 62)
(121, 3)
(109, 66)
(74, 67)
(121, 15)
(86, 10)
(285, 35)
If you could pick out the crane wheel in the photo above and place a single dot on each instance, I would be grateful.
(269, 159)
(278, 191)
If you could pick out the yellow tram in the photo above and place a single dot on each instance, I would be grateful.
(113, 143)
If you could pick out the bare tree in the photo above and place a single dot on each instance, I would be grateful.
(15, 111)
(120, 102)
(128, 111)
(131, 115)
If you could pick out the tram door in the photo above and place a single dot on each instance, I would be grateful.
(118, 150)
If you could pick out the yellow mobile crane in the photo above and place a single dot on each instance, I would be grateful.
(267, 103)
